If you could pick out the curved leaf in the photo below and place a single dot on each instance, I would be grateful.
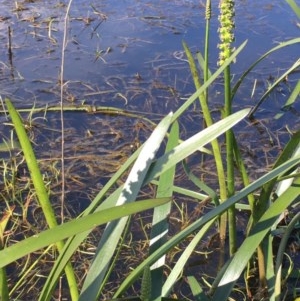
(247, 249)
(51, 236)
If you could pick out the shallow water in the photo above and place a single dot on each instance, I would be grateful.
(128, 54)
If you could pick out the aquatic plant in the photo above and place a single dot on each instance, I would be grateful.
(278, 190)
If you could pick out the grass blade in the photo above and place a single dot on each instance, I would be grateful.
(280, 46)
(280, 254)
(274, 85)
(185, 256)
(48, 237)
(40, 188)
(189, 146)
(160, 223)
(73, 243)
(203, 220)
(205, 85)
(114, 230)
(293, 97)
(255, 237)
(196, 289)
(32, 164)
(294, 7)
(4, 292)
(193, 144)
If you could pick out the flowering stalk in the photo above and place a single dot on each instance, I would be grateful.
(207, 27)
(226, 29)
(226, 34)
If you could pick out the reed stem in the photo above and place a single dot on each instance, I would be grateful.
(226, 19)
(40, 189)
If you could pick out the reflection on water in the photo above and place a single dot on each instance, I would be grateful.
(127, 52)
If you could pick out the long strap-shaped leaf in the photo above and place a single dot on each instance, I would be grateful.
(74, 242)
(203, 220)
(205, 85)
(158, 167)
(295, 66)
(40, 188)
(160, 224)
(295, 7)
(32, 164)
(247, 249)
(281, 45)
(114, 230)
(137, 178)
(48, 237)
(184, 257)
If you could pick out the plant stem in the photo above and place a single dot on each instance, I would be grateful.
(209, 121)
(206, 49)
(3, 285)
(230, 162)
(226, 34)
(40, 189)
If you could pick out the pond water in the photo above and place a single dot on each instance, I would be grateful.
(128, 54)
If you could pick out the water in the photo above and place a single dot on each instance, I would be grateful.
(132, 50)
(128, 54)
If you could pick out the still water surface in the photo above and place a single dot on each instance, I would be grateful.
(129, 52)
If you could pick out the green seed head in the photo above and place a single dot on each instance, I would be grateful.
(226, 29)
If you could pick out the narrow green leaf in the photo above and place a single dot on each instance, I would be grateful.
(113, 231)
(293, 97)
(294, 7)
(146, 285)
(247, 249)
(205, 85)
(32, 164)
(201, 185)
(204, 219)
(196, 289)
(73, 243)
(4, 291)
(160, 224)
(184, 257)
(202, 64)
(280, 254)
(268, 188)
(274, 85)
(40, 188)
(280, 46)
(189, 146)
(267, 246)
(285, 184)
(48, 237)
